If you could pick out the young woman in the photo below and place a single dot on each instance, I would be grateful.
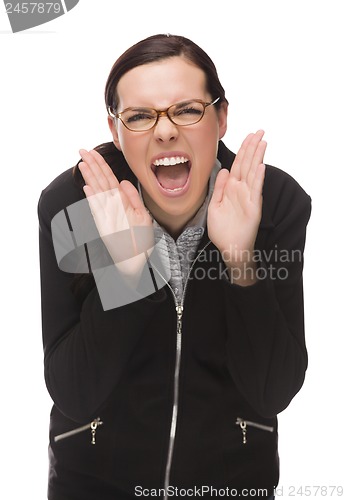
(170, 388)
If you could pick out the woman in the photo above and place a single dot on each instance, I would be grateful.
(166, 381)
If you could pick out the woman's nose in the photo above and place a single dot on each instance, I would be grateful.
(165, 130)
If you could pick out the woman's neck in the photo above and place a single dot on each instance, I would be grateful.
(174, 224)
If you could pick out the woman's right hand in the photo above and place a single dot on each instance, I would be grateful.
(120, 216)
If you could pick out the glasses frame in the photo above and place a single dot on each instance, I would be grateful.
(162, 112)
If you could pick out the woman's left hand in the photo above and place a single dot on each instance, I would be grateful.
(235, 208)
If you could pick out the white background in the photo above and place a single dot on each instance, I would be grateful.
(282, 65)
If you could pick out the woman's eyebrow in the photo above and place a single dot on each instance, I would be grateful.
(183, 103)
(178, 105)
(138, 108)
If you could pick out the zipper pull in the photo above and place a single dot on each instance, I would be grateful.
(243, 426)
(94, 424)
(179, 310)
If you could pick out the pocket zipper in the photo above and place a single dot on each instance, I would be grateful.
(244, 423)
(92, 426)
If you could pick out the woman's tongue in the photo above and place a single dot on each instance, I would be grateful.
(173, 176)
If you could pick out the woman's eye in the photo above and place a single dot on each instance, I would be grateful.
(139, 116)
(188, 111)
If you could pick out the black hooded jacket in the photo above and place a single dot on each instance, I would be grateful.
(238, 361)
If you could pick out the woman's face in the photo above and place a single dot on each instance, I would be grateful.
(169, 190)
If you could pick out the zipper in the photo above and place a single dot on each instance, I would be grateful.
(247, 423)
(93, 426)
(179, 314)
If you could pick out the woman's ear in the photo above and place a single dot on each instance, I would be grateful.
(113, 130)
(222, 118)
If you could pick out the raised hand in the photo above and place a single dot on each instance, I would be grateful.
(119, 214)
(235, 209)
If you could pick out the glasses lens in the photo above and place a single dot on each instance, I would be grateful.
(139, 118)
(187, 113)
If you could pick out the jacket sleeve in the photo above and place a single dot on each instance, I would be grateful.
(85, 348)
(266, 351)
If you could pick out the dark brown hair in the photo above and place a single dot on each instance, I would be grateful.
(156, 48)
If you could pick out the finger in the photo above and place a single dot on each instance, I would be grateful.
(219, 186)
(250, 153)
(258, 183)
(141, 228)
(133, 196)
(96, 171)
(236, 166)
(89, 177)
(257, 160)
(106, 170)
(88, 191)
(93, 200)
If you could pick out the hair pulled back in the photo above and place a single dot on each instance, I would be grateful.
(156, 48)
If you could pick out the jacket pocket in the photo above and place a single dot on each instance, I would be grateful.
(92, 427)
(244, 424)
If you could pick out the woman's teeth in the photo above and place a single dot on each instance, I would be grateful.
(173, 160)
(174, 190)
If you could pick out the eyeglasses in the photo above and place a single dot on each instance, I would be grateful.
(182, 114)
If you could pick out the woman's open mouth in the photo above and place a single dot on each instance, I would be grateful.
(172, 174)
